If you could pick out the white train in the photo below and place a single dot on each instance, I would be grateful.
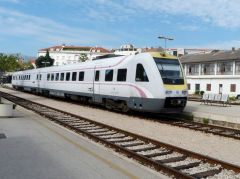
(151, 82)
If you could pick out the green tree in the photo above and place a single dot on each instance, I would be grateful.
(27, 66)
(9, 63)
(44, 61)
(83, 57)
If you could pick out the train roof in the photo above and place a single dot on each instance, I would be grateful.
(109, 60)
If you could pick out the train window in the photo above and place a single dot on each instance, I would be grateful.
(40, 77)
(97, 74)
(122, 75)
(141, 75)
(48, 77)
(67, 76)
(62, 76)
(37, 77)
(108, 75)
(57, 77)
(29, 77)
(52, 76)
(81, 76)
(74, 76)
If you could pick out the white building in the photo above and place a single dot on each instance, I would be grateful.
(215, 72)
(63, 54)
(127, 49)
(182, 51)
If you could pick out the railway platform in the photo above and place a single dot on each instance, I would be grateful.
(218, 114)
(33, 147)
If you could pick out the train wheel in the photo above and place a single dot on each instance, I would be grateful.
(124, 107)
(108, 105)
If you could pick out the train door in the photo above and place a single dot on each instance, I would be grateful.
(96, 86)
(39, 78)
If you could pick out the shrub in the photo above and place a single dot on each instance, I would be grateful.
(232, 98)
(14, 106)
(202, 92)
(197, 92)
(206, 120)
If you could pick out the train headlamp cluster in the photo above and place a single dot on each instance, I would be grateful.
(168, 92)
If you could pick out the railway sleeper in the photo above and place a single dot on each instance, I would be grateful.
(96, 131)
(132, 144)
(173, 159)
(159, 154)
(116, 137)
(186, 166)
(207, 173)
(145, 149)
(124, 140)
(106, 134)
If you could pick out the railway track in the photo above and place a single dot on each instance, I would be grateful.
(181, 122)
(207, 128)
(172, 160)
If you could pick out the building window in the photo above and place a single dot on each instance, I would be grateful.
(208, 69)
(81, 76)
(97, 74)
(122, 75)
(62, 77)
(108, 75)
(208, 87)
(141, 75)
(233, 88)
(192, 69)
(74, 76)
(224, 68)
(67, 76)
(189, 86)
(197, 87)
(237, 68)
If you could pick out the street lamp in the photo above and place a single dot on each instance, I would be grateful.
(45, 63)
(165, 38)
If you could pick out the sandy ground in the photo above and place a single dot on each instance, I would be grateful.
(215, 146)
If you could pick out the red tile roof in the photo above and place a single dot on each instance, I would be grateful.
(32, 60)
(54, 48)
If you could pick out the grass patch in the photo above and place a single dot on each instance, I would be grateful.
(206, 120)
(189, 117)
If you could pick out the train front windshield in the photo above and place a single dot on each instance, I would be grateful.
(170, 70)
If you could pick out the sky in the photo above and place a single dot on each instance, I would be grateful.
(29, 25)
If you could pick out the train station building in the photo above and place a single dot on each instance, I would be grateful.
(215, 72)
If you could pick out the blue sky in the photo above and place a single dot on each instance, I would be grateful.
(29, 25)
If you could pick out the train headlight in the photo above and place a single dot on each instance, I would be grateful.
(168, 92)
(184, 92)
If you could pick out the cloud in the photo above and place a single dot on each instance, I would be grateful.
(189, 27)
(13, 23)
(222, 45)
(11, 1)
(224, 13)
